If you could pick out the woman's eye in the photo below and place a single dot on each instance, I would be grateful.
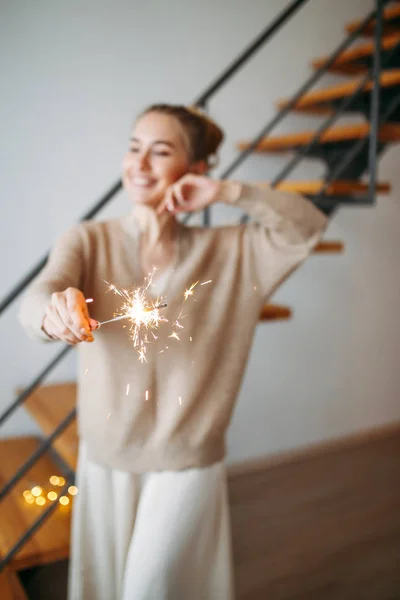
(162, 153)
(135, 150)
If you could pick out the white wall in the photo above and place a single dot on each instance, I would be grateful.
(73, 77)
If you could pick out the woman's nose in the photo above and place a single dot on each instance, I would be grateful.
(143, 162)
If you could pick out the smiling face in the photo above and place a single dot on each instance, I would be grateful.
(158, 157)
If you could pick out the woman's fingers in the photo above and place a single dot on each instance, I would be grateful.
(170, 199)
(190, 193)
(182, 192)
(69, 316)
(93, 324)
(174, 200)
(56, 328)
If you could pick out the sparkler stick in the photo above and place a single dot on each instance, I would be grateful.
(112, 320)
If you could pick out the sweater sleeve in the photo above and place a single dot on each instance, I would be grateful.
(63, 269)
(286, 229)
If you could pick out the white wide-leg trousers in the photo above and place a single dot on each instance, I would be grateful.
(161, 536)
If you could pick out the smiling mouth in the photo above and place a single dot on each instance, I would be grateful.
(143, 182)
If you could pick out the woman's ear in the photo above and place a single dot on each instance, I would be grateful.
(199, 168)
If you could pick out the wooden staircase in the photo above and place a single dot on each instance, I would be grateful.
(50, 404)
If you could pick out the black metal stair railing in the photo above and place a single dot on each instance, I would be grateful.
(201, 100)
(375, 97)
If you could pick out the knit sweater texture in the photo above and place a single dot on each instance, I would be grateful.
(172, 412)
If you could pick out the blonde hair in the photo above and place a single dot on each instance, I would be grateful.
(202, 134)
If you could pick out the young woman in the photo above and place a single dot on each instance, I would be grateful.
(151, 518)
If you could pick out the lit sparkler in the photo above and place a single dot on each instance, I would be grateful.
(143, 314)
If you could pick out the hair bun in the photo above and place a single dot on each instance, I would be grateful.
(213, 133)
(197, 110)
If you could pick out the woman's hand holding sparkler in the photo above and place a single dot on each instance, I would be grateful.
(195, 192)
(67, 318)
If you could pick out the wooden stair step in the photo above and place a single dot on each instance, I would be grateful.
(329, 247)
(336, 188)
(10, 586)
(275, 312)
(388, 133)
(49, 405)
(318, 101)
(51, 541)
(391, 15)
(347, 61)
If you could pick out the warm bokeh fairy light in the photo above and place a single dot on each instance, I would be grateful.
(37, 495)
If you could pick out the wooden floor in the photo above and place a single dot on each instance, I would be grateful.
(324, 527)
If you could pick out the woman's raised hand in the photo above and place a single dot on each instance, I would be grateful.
(67, 318)
(190, 193)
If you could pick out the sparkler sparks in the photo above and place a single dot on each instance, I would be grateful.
(144, 314)
(189, 292)
(142, 355)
